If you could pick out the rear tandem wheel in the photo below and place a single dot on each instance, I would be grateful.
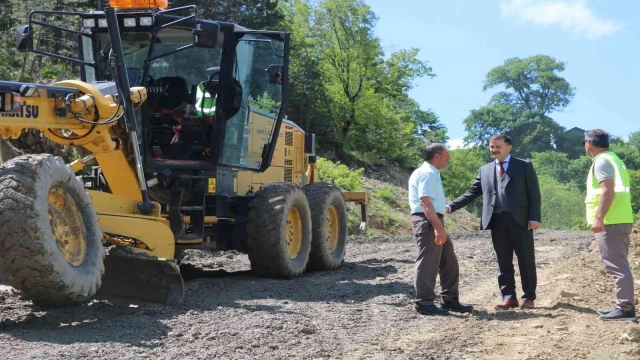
(329, 219)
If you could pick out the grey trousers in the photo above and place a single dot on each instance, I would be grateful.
(614, 248)
(432, 260)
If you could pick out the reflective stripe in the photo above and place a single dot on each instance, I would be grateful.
(618, 189)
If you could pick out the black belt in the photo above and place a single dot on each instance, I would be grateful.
(422, 214)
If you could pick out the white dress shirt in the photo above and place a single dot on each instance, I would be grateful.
(505, 165)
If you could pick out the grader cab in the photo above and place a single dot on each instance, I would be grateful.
(181, 125)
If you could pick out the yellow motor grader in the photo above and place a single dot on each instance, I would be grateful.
(179, 121)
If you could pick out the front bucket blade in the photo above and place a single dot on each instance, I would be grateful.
(137, 276)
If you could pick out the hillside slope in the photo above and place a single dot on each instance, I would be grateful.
(389, 212)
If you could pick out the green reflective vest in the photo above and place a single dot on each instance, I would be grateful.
(620, 211)
(205, 104)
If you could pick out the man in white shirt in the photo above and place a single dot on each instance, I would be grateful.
(435, 250)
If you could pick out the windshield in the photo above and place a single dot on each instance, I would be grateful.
(193, 64)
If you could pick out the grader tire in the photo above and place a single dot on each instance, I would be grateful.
(279, 231)
(50, 241)
(329, 224)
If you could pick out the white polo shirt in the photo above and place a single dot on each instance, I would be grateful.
(426, 181)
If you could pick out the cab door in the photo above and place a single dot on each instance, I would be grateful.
(258, 100)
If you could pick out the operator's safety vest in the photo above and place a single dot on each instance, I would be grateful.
(205, 104)
(620, 211)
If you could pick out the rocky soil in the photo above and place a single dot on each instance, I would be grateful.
(361, 311)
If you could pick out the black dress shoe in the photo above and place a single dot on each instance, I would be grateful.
(431, 310)
(456, 306)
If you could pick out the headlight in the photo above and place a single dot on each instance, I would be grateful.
(89, 23)
(102, 23)
(146, 21)
(10, 102)
(129, 22)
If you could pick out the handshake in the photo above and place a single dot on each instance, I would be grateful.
(532, 225)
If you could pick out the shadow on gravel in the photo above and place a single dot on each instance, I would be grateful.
(98, 322)
(353, 282)
(572, 307)
(386, 261)
(146, 324)
(509, 315)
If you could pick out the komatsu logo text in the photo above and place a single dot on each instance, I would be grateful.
(26, 111)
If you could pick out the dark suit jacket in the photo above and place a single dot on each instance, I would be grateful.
(522, 190)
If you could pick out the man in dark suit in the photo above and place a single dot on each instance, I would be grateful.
(511, 209)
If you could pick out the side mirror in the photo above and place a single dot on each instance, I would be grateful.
(207, 34)
(24, 39)
(274, 74)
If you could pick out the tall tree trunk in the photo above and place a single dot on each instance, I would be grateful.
(350, 120)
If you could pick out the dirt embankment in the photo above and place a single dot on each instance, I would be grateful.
(362, 311)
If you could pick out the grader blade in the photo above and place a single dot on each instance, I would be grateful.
(363, 199)
(136, 276)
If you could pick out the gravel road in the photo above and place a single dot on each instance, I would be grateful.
(362, 310)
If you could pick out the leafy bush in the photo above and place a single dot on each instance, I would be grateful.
(562, 205)
(385, 194)
(382, 217)
(345, 178)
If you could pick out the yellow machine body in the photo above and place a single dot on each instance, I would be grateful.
(166, 176)
(117, 211)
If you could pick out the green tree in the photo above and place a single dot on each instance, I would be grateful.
(630, 156)
(634, 139)
(562, 205)
(461, 172)
(350, 55)
(341, 84)
(253, 14)
(529, 134)
(309, 104)
(398, 73)
(532, 90)
(531, 85)
(341, 81)
(634, 176)
(427, 127)
(395, 79)
(558, 166)
(570, 142)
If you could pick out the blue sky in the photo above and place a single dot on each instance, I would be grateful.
(463, 39)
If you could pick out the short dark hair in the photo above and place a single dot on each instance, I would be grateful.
(597, 137)
(431, 150)
(503, 137)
